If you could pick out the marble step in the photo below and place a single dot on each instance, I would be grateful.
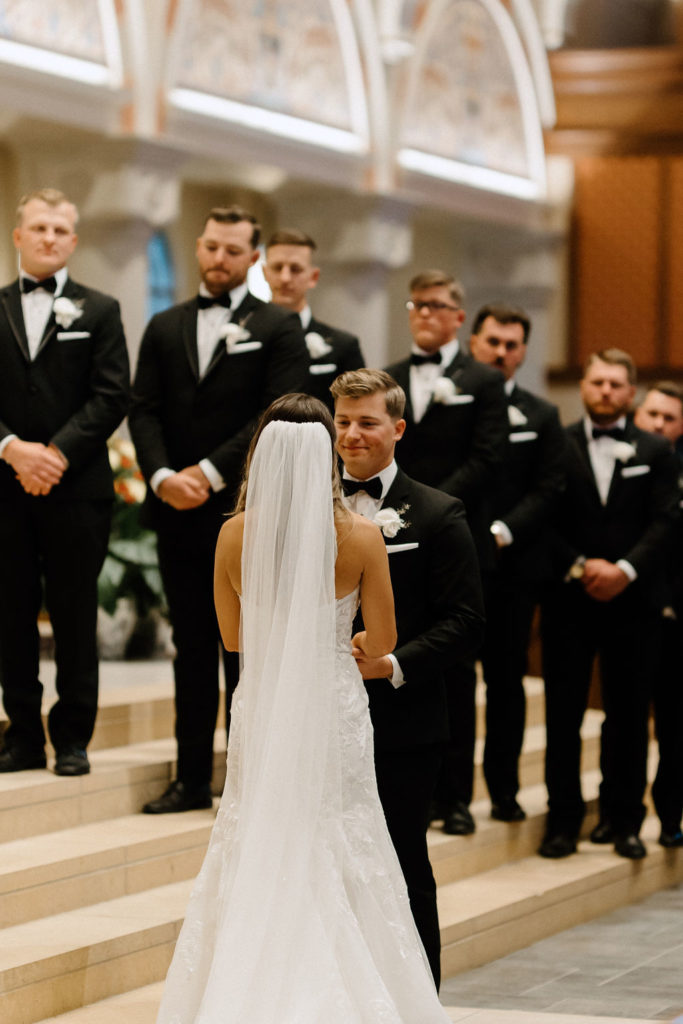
(140, 1007)
(496, 912)
(68, 960)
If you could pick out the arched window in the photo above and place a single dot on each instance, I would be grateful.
(160, 274)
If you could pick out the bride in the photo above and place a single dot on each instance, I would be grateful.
(300, 914)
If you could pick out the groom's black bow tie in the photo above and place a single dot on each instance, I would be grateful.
(417, 360)
(372, 487)
(48, 283)
(206, 301)
(618, 433)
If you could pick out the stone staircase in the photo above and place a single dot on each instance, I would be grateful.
(92, 893)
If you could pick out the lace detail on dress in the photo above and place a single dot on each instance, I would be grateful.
(353, 956)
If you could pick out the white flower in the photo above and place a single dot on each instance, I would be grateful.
(623, 451)
(233, 334)
(316, 344)
(516, 416)
(137, 489)
(444, 390)
(114, 460)
(66, 311)
(390, 521)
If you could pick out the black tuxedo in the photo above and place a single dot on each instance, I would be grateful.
(459, 448)
(344, 354)
(635, 524)
(439, 618)
(528, 485)
(73, 394)
(176, 420)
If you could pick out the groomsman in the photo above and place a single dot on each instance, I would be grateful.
(455, 439)
(611, 533)
(207, 369)
(63, 390)
(528, 485)
(661, 413)
(439, 618)
(291, 272)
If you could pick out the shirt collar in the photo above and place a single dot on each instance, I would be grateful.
(60, 276)
(448, 352)
(386, 475)
(305, 316)
(509, 386)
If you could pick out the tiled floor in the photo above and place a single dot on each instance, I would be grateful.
(628, 964)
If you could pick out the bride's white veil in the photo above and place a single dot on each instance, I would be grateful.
(288, 769)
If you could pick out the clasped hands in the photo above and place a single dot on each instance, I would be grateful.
(603, 580)
(186, 489)
(370, 668)
(38, 467)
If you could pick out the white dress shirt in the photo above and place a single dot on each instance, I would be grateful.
(210, 322)
(305, 315)
(603, 461)
(363, 505)
(423, 378)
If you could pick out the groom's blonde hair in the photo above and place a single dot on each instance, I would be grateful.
(361, 383)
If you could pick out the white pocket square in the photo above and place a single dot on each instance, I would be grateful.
(635, 470)
(322, 367)
(72, 335)
(523, 435)
(245, 346)
(394, 548)
(459, 400)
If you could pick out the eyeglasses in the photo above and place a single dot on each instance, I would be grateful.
(433, 307)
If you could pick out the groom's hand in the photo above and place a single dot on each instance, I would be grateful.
(372, 668)
(185, 490)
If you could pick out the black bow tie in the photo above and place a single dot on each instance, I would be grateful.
(372, 487)
(417, 360)
(618, 433)
(48, 283)
(206, 301)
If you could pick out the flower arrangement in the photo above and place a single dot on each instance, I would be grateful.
(390, 520)
(130, 573)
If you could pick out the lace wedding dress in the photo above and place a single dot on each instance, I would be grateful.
(300, 914)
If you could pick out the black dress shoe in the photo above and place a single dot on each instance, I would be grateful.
(630, 846)
(179, 798)
(15, 760)
(458, 821)
(507, 810)
(72, 761)
(602, 833)
(557, 845)
(670, 837)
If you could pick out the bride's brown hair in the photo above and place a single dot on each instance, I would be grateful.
(295, 408)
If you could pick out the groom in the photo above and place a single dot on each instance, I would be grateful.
(439, 618)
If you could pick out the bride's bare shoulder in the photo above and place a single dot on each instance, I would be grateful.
(231, 534)
(357, 533)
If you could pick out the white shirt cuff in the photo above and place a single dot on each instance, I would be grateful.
(396, 678)
(212, 475)
(5, 441)
(500, 529)
(158, 478)
(628, 569)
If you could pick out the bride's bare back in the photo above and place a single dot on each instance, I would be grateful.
(361, 561)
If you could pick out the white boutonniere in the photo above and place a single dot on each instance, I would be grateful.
(390, 520)
(444, 390)
(316, 344)
(623, 451)
(66, 311)
(234, 334)
(516, 416)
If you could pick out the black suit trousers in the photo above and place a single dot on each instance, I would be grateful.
(667, 698)
(186, 543)
(60, 545)
(624, 634)
(510, 603)
(406, 780)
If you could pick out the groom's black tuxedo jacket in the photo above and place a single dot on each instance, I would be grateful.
(459, 447)
(178, 418)
(439, 613)
(74, 393)
(345, 355)
(529, 484)
(637, 521)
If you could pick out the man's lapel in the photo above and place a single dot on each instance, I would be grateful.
(578, 433)
(188, 331)
(70, 291)
(240, 316)
(453, 370)
(630, 437)
(11, 301)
